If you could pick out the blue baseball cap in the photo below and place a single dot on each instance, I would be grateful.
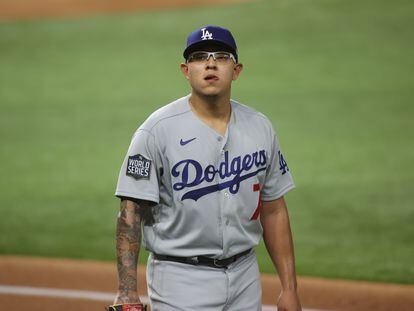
(211, 35)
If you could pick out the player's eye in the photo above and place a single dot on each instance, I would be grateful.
(222, 56)
(198, 57)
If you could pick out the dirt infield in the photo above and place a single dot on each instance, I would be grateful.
(101, 277)
(33, 9)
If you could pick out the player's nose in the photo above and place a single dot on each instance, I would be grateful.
(211, 63)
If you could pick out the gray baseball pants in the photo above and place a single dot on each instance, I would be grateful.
(174, 286)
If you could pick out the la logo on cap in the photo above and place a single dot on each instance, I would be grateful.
(206, 35)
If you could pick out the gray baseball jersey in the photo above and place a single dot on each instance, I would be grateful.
(207, 187)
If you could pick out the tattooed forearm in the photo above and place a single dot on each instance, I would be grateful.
(128, 242)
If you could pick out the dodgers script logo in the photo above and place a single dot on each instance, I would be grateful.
(239, 168)
(206, 35)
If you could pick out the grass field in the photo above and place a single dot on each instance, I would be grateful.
(335, 77)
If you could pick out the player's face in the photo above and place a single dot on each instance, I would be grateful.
(211, 75)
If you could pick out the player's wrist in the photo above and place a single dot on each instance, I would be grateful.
(289, 284)
(126, 296)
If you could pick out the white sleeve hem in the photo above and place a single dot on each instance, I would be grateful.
(138, 196)
(279, 194)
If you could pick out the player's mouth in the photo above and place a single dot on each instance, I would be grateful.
(211, 78)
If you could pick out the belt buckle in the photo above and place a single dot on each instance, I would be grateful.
(193, 260)
(216, 263)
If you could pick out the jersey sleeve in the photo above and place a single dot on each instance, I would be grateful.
(278, 179)
(138, 175)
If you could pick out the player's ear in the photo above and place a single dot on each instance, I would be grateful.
(184, 69)
(236, 71)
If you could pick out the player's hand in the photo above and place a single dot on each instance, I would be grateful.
(289, 301)
(126, 297)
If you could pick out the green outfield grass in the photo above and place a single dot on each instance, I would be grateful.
(333, 76)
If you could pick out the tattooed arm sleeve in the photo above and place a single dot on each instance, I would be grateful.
(128, 242)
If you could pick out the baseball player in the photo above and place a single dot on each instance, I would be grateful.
(205, 177)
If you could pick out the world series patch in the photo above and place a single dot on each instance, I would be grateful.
(138, 167)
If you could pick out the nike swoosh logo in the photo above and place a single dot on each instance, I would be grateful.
(185, 142)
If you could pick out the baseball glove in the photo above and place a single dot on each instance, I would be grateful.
(127, 307)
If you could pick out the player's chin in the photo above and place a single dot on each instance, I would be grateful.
(209, 91)
(212, 93)
(214, 89)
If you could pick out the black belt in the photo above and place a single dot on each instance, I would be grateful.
(202, 260)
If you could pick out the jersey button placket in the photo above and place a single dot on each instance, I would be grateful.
(221, 201)
(222, 152)
(226, 198)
